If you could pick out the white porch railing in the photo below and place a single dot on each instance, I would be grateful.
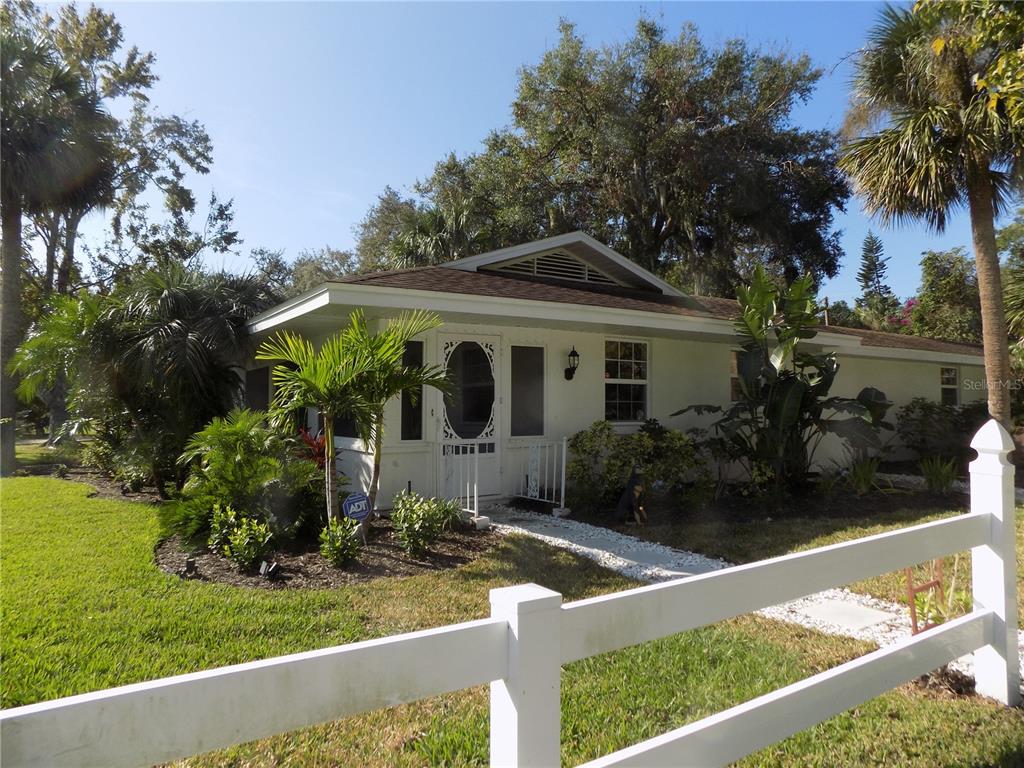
(530, 634)
(459, 470)
(541, 472)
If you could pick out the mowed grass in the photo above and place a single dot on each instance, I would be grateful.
(85, 608)
(32, 453)
(750, 536)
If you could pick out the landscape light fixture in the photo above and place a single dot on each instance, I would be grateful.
(574, 363)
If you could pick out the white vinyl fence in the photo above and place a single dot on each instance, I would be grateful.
(531, 634)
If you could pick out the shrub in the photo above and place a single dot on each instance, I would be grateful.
(248, 543)
(419, 522)
(938, 473)
(223, 520)
(242, 462)
(601, 460)
(189, 517)
(99, 454)
(932, 429)
(339, 541)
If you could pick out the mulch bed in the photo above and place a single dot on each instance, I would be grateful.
(105, 487)
(382, 557)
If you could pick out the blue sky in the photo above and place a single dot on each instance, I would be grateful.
(314, 107)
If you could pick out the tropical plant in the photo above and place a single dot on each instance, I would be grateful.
(57, 356)
(925, 141)
(784, 410)
(321, 379)
(55, 141)
(387, 376)
(175, 338)
(242, 462)
(939, 474)
(339, 541)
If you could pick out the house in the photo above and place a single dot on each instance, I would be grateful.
(542, 339)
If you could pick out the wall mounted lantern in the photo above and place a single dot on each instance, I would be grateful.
(574, 363)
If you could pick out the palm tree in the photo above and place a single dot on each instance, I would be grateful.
(175, 339)
(55, 357)
(387, 377)
(939, 146)
(315, 378)
(354, 373)
(56, 145)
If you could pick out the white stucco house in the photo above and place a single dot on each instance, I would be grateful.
(516, 319)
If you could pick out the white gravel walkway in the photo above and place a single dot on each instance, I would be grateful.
(834, 611)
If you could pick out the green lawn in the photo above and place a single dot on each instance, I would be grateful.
(85, 608)
(33, 453)
(746, 536)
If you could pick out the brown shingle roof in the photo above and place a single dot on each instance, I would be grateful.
(448, 280)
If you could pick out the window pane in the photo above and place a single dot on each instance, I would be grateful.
(344, 426)
(611, 350)
(471, 402)
(527, 391)
(947, 376)
(611, 370)
(412, 415)
(950, 396)
(640, 353)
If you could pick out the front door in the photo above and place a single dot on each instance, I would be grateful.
(470, 418)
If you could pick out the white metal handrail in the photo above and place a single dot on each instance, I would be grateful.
(530, 634)
(541, 472)
(459, 470)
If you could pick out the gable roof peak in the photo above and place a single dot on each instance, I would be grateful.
(609, 265)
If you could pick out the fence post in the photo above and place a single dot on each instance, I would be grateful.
(526, 705)
(994, 565)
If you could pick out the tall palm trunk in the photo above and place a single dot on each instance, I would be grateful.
(378, 440)
(990, 288)
(329, 483)
(10, 326)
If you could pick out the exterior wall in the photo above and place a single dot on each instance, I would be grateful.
(682, 372)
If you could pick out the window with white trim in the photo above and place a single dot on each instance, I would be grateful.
(625, 380)
(949, 386)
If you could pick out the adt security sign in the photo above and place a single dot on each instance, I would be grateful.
(356, 506)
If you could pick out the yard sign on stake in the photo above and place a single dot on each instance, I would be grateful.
(357, 506)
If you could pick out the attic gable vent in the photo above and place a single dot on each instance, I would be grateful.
(558, 265)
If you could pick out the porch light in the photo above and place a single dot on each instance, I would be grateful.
(574, 363)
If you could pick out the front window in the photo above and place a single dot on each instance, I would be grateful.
(950, 386)
(625, 380)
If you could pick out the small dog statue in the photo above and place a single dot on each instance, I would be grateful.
(631, 503)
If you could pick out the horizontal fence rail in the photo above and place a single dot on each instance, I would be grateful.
(530, 634)
(736, 732)
(186, 715)
(608, 622)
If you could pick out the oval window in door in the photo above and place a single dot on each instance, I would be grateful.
(471, 402)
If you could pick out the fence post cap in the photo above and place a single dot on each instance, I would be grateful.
(992, 438)
(524, 598)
